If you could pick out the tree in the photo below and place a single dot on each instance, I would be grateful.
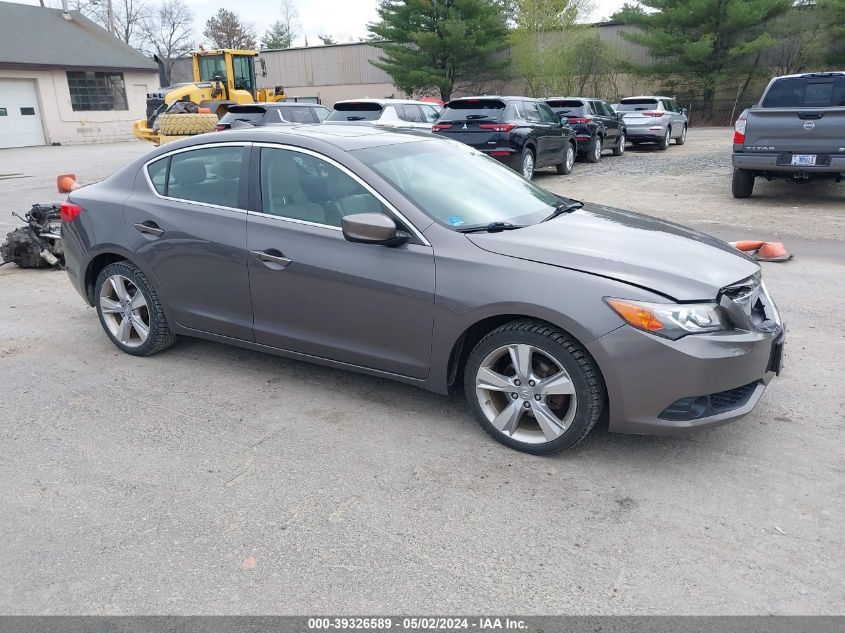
(801, 44)
(327, 39)
(833, 14)
(438, 44)
(705, 45)
(168, 32)
(282, 32)
(126, 18)
(225, 30)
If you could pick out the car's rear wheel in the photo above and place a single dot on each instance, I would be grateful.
(620, 146)
(533, 388)
(663, 143)
(565, 167)
(527, 163)
(743, 183)
(682, 138)
(130, 311)
(594, 151)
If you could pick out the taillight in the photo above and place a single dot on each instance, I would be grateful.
(220, 127)
(578, 119)
(497, 127)
(656, 115)
(440, 126)
(739, 129)
(70, 211)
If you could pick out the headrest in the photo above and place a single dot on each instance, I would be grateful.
(188, 172)
(339, 185)
(228, 169)
(283, 174)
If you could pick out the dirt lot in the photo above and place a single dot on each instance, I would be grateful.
(210, 479)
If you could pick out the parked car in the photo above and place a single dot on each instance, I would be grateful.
(424, 261)
(654, 120)
(522, 133)
(596, 125)
(260, 114)
(796, 132)
(402, 113)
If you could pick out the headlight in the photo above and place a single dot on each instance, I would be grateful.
(672, 320)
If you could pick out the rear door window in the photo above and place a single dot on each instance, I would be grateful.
(158, 174)
(531, 111)
(209, 175)
(806, 92)
(321, 113)
(546, 114)
(411, 113)
(299, 114)
(355, 111)
(474, 109)
(430, 113)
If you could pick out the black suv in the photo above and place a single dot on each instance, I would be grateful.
(597, 127)
(261, 114)
(521, 132)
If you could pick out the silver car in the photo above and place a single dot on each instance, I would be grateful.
(398, 113)
(654, 120)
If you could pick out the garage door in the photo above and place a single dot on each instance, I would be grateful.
(20, 119)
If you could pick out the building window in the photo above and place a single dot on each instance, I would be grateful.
(27, 111)
(96, 91)
(3, 112)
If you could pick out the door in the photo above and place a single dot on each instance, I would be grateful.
(554, 133)
(609, 121)
(315, 293)
(677, 118)
(188, 224)
(413, 116)
(20, 117)
(531, 113)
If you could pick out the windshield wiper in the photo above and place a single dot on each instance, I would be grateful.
(493, 227)
(473, 117)
(564, 207)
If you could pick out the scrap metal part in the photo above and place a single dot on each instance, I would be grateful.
(39, 243)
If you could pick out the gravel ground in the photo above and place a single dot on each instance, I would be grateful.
(212, 480)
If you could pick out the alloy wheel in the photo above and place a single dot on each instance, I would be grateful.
(570, 157)
(525, 393)
(597, 148)
(528, 165)
(125, 310)
(622, 143)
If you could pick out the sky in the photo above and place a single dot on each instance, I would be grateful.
(345, 20)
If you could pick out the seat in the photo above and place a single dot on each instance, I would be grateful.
(185, 176)
(347, 197)
(281, 191)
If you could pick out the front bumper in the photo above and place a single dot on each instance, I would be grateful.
(769, 163)
(645, 374)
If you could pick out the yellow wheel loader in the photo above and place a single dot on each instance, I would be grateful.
(221, 78)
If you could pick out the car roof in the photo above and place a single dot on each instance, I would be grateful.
(310, 136)
(830, 73)
(499, 97)
(646, 97)
(547, 99)
(383, 101)
(276, 104)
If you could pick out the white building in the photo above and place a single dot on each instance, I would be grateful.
(65, 80)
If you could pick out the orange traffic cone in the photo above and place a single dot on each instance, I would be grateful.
(763, 251)
(67, 183)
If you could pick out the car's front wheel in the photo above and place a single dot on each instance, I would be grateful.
(620, 146)
(533, 388)
(682, 138)
(130, 311)
(565, 167)
(527, 163)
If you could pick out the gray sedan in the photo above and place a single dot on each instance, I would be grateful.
(422, 260)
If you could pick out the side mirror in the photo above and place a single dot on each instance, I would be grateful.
(372, 228)
(683, 110)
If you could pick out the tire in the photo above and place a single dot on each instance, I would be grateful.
(527, 163)
(620, 145)
(682, 138)
(565, 168)
(113, 310)
(186, 124)
(743, 183)
(577, 393)
(664, 142)
(595, 149)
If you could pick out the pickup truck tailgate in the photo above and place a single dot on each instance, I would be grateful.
(811, 130)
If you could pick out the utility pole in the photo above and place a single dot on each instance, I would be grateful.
(111, 17)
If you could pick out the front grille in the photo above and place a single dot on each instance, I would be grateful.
(732, 398)
(696, 407)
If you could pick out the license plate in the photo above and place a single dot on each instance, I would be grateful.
(804, 159)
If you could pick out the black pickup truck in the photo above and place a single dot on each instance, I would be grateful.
(796, 132)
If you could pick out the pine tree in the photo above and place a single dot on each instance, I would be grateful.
(706, 44)
(225, 30)
(833, 12)
(436, 44)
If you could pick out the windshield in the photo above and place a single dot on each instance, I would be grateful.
(806, 92)
(470, 109)
(566, 106)
(212, 68)
(243, 113)
(634, 105)
(458, 186)
(355, 111)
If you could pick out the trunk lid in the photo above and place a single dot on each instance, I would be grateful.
(465, 117)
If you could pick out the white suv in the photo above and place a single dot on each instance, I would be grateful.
(654, 120)
(403, 113)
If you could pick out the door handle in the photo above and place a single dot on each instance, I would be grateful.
(271, 256)
(150, 228)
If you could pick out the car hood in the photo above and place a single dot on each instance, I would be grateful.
(672, 260)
